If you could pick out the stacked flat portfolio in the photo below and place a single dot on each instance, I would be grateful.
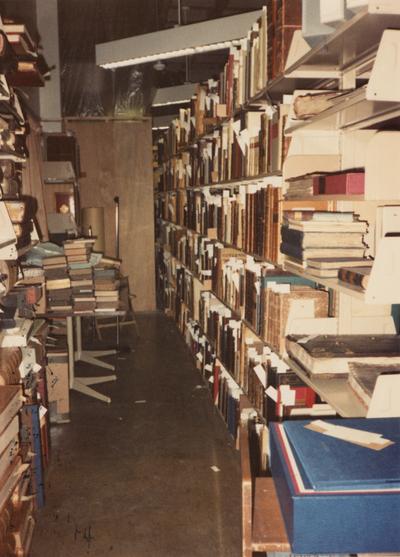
(338, 484)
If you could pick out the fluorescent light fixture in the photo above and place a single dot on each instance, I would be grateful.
(185, 40)
(178, 94)
(162, 122)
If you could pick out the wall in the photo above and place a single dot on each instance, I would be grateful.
(116, 160)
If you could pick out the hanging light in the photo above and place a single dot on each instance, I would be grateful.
(186, 40)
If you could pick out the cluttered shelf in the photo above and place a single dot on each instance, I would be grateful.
(333, 390)
(358, 37)
(363, 293)
(235, 182)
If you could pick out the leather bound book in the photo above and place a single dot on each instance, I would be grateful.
(332, 354)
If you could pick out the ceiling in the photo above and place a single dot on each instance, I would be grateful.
(88, 90)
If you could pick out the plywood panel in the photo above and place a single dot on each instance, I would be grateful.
(116, 160)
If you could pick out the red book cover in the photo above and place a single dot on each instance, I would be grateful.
(229, 85)
(350, 183)
(216, 371)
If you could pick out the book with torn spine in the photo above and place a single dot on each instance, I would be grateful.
(309, 105)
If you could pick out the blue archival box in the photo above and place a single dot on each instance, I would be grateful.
(349, 500)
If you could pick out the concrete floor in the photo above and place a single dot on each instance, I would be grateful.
(134, 478)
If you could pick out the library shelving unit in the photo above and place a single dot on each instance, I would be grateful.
(358, 131)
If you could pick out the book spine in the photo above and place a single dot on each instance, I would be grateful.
(353, 277)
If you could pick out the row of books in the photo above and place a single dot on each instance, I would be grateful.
(255, 59)
(257, 292)
(224, 391)
(277, 394)
(248, 145)
(75, 284)
(247, 218)
(218, 335)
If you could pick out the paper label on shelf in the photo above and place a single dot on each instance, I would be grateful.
(236, 280)
(272, 393)
(261, 374)
(288, 395)
(199, 356)
(241, 139)
(236, 126)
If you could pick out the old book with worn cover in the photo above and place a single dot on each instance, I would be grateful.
(320, 239)
(337, 262)
(362, 378)
(332, 354)
(356, 276)
(311, 104)
(297, 252)
(58, 284)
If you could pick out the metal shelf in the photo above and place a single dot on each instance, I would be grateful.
(354, 111)
(335, 391)
(353, 42)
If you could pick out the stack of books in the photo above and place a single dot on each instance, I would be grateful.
(106, 287)
(78, 250)
(78, 253)
(321, 235)
(58, 283)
